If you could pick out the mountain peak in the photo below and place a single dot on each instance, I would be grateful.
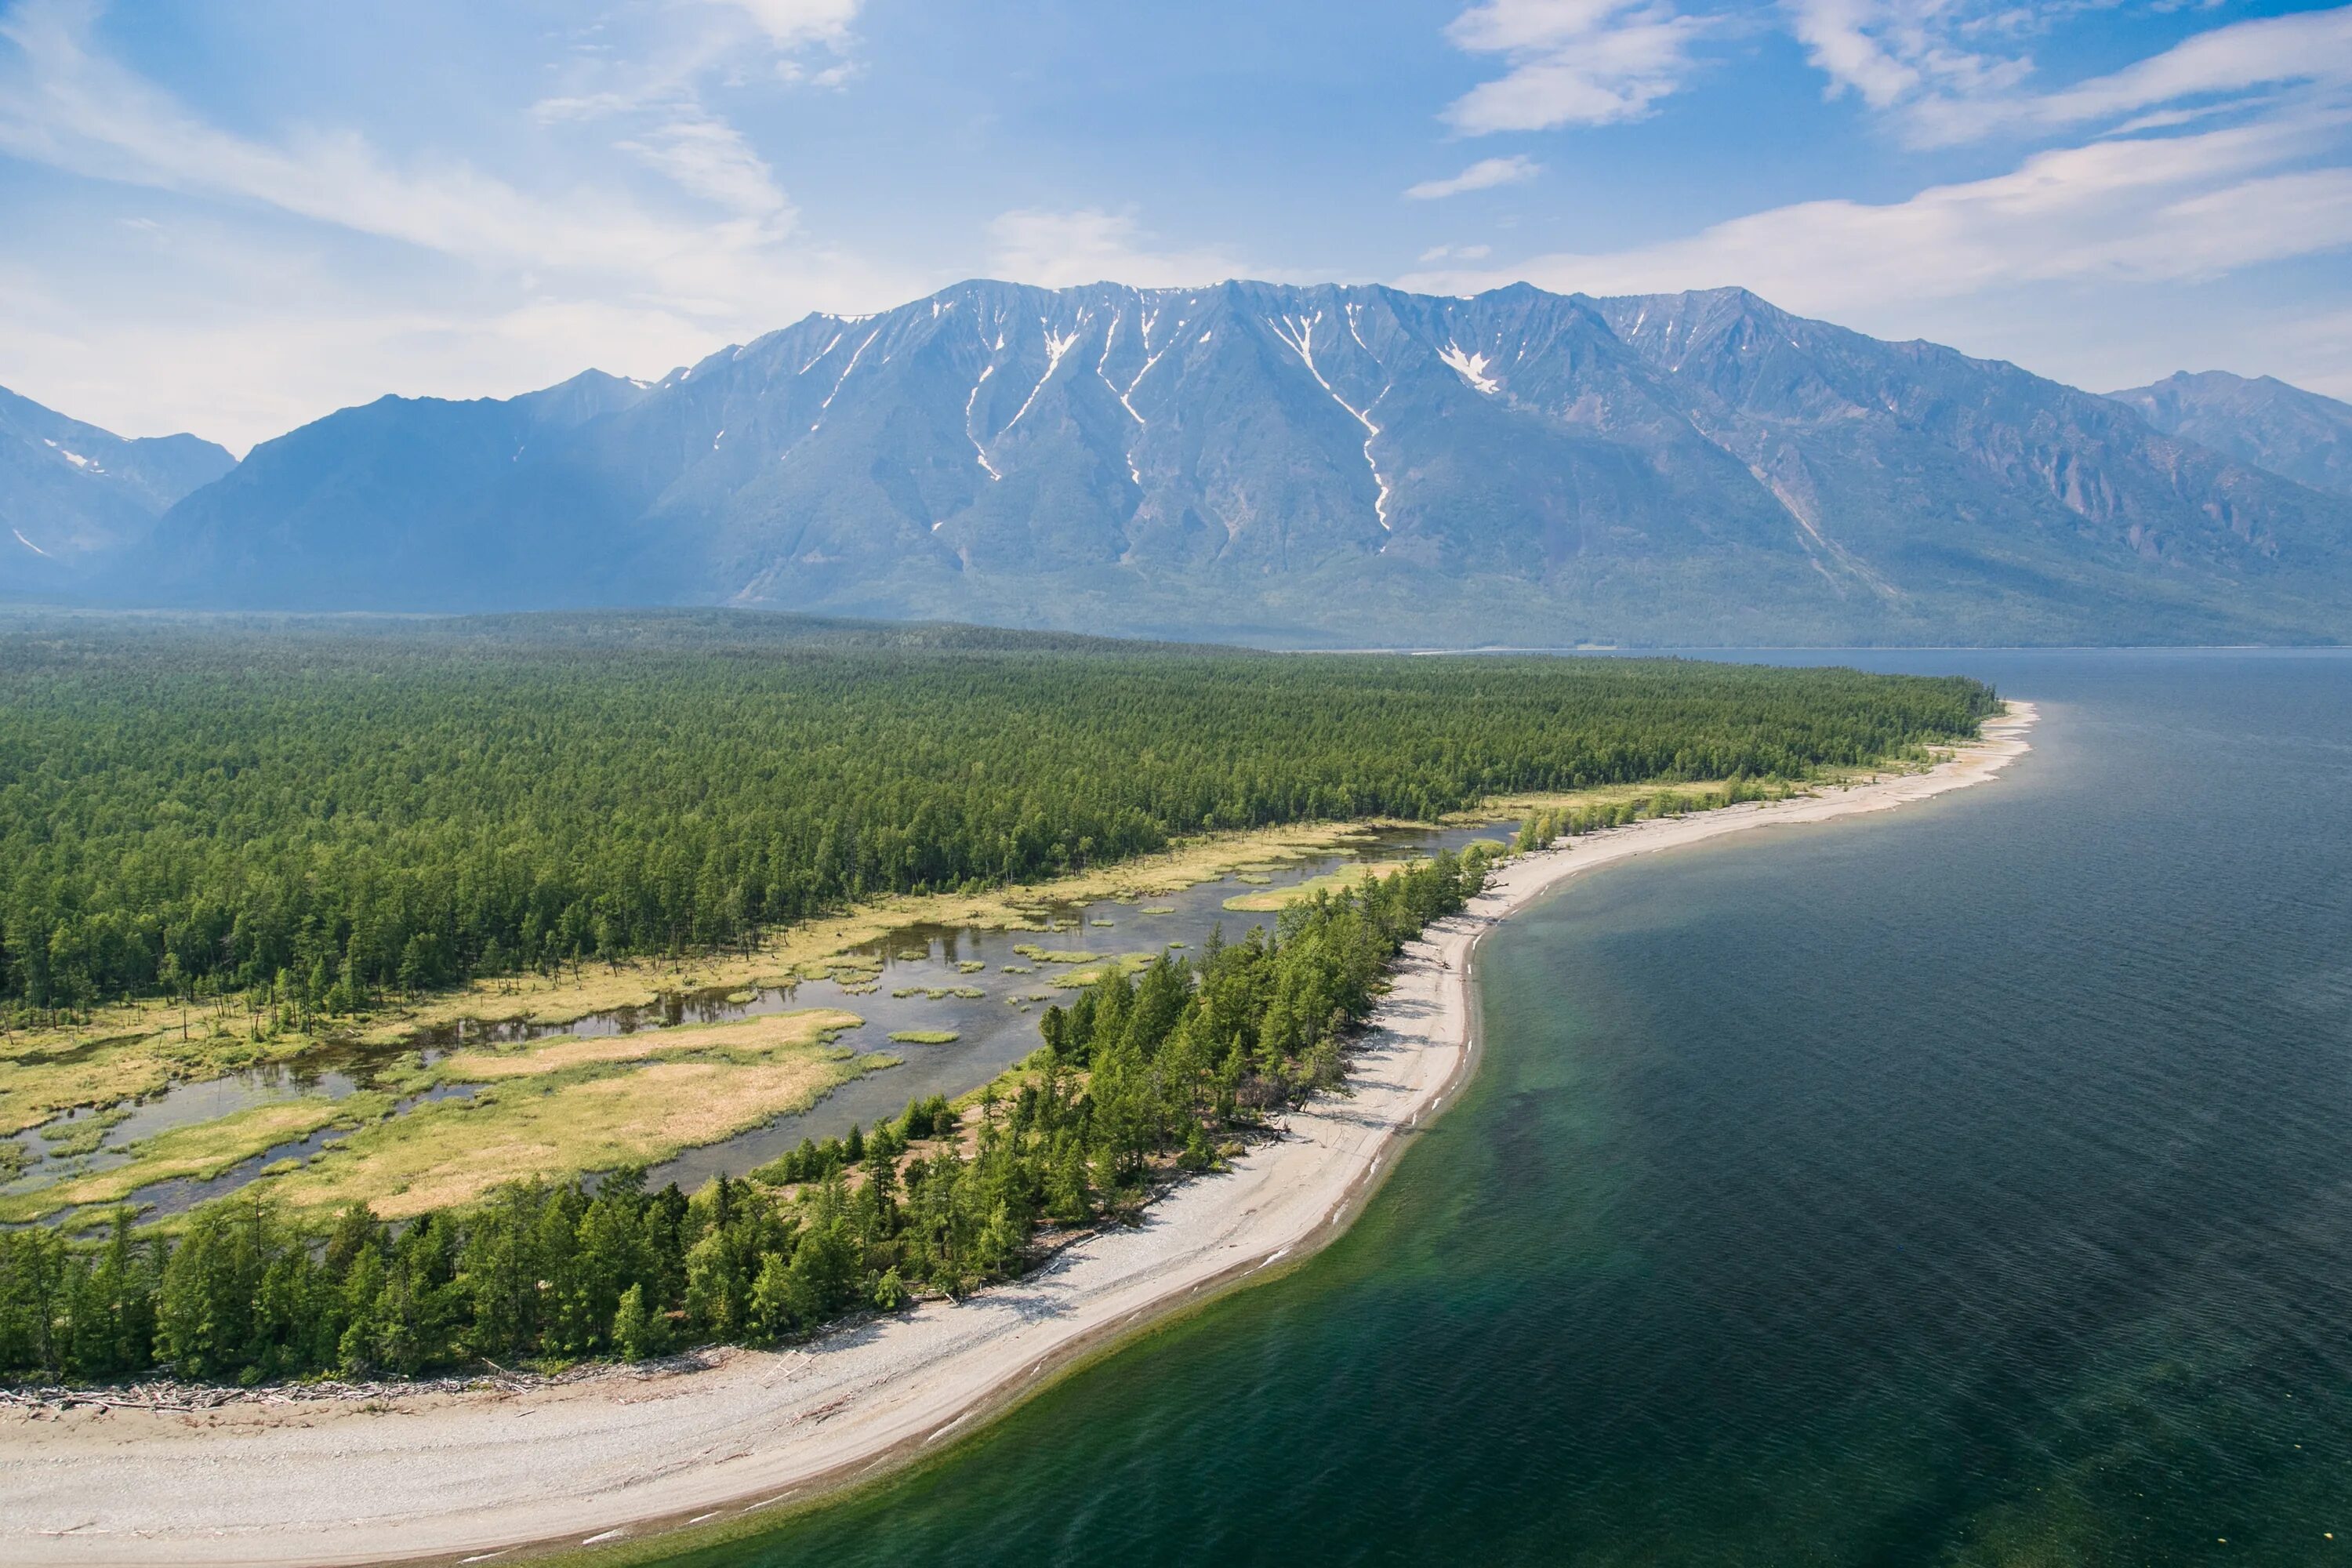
(2261, 420)
(74, 497)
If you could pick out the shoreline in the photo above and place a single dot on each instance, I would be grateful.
(452, 1475)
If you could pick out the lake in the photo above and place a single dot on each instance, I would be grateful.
(1969, 1184)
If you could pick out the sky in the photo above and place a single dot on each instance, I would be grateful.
(231, 219)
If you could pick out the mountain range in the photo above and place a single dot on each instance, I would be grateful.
(2262, 421)
(76, 501)
(1348, 464)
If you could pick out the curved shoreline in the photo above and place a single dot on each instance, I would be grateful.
(468, 1475)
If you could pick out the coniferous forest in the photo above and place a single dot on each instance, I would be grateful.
(310, 816)
(1138, 1080)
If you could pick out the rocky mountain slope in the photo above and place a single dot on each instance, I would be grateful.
(1325, 464)
(75, 499)
(2260, 421)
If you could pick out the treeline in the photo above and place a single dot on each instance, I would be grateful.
(306, 822)
(1137, 1078)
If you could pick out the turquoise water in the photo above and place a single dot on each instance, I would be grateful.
(1967, 1185)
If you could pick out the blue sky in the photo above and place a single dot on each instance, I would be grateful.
(234, 218)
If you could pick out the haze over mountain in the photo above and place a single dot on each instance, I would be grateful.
(401, 503)
(2262, 421)
(74, 499)
(1330, 464)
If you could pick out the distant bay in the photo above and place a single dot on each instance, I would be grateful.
(1970, 1184)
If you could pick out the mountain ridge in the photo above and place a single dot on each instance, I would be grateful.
(2260, 420)
(1318, 463)
(73, 496)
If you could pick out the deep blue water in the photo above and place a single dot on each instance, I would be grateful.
(1966, 1184)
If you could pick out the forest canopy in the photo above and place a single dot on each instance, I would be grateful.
(311, 814)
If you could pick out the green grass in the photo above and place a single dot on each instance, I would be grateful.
(1077, 978)
(82, 1135)
(1057, 955)
(925, 1036)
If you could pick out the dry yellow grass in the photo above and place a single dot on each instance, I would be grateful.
(1266, 901)
(454, 1150)
(769, 1032)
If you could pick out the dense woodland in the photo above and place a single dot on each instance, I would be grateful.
(1139, 1079)
(310, 817)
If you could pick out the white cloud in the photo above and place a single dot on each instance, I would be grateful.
(469, 279)
(243, 369)
(711, 159)
(838, 74)
(76, 111)
(2314, 47)
(1891, 50)
(1483, 176)
(703, 39)
(1438, 253)
(1952, 71)
(790, 23)
(2113, 211)
(1571, 62)
(1060, 249)
(2200, 163)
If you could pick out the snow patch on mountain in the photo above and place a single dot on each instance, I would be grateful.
(1300, 337)
(1472, 368)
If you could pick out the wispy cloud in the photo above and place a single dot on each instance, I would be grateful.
(1571, 62)
(2120, 209)
(805, 43)
(67, 106)
(1483, 176)
(1888, 51)
(1951, 71)
(790, 23)
(478, 271)
(712, 160)
(2314, 48)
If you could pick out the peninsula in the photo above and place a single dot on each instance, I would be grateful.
(617, 1457)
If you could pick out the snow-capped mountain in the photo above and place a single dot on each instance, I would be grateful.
(1320, 463)
(74, 498)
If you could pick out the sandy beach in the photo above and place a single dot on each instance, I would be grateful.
(476, 1475)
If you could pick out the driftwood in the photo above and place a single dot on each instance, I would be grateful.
(192, 1398)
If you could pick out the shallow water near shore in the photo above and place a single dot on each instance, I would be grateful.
(1967, 1183)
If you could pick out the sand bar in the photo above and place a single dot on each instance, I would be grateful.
(457, 1475)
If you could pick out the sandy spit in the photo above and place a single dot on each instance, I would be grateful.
(457, 1475)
